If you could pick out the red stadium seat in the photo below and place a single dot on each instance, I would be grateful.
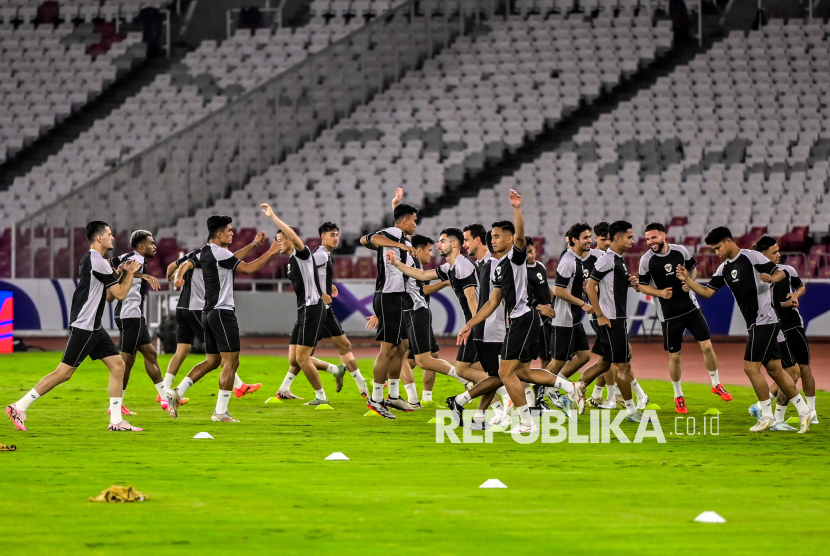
(551, 266)
(364, 267)
(48, 12)
(342, 268)
(678, 221)
(313, 242)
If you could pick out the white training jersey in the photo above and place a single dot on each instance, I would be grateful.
(218, 268)
(132, 306)
(390, 279)
(495, 326)
(95, 276)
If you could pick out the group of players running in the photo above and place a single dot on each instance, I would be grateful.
(512, 317)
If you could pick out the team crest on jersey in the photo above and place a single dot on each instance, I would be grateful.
(734, 274)
(539, 276)
(498, 270)
(667, 267)
(288, 269)
(585, 272)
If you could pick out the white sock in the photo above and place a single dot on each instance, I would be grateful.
(564, 384)
(780, 411)
(462, 399)
(115, 410)
(333, 369)
(811, 402)
(715, 377)
(631, 409)
(222, 401)
(530, 396)
(358, 378)
(237, 382)
(24, 402)
(478, 417)
(766, 408)
(637, 390)
(497, 407)
(612, 391)
(597, 393)
(411, 393)
(123, 393)
(184, 385)
(321, 394)
(524, 415)
(454, 375)
(678, 391)
(168, 381)
(377, 392)
(162, 390)
(394, 388)
(286, 383)
(502, 393)
(799, 403)
(426, 395)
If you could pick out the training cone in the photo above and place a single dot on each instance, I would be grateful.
(709, 517)
(431, 421)
(273, 400)
(337, 456)
(203, 435)
(711, 411)
(371, 413)
(653, 406)
(323, 406)
(493, 483)
(792, 421)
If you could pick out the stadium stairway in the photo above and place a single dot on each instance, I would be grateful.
(559, 136)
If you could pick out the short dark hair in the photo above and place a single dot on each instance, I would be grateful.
(764, 243)
(528, 240)
(490, 242)
(601, 229)
(216, 223)
(419, 241)
(618, 227)
(94, 228)
(504, 225)
(454, 233)
(403, 210)
(138, 236)
(326, 227)
(717, 234)
(577, 230)
(656, 226)
(477, 230)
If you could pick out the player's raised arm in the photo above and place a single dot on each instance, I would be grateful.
(379, 240)
(289, 234)
(397, 199)
(242, 253)
(430, 289)
(706, 291)
(518, 220)
(417, 273)
(253, 267)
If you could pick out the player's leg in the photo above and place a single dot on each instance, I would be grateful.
(151, 365)
(408, 380)
(428, 381)
(787, 386)
(489, 354)
(284, 392)
(396, 365)
(305, 363)
(17, 410)
(344, 346)
(213, 359)
(230, 364)
(182, 351)
(115, 365)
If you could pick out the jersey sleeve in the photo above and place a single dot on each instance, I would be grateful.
(795, 281)
(320, 258)
(465, 273)
(194, 258)
(688, 259)
(717, 281)
(564, 271)
(760, 262)
(225, 259)
(518, 256)
(603, 266)
(443, 272)
(645, 274)
(303, 254)
(102, 272)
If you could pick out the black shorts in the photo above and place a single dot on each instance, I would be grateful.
(419, 331)
(798, 346)
(389, 308)
(433, 344)
(467, 353)
(331, 326)
(596, 349)
(522, 339)
(133, 334)
(309, 323)
(613, 341)
(221, 331)
(546, 340)
(567, 340)
(673, 330)
(95, 344)
(489, 354)
(787, 359)
(189, 326)
(762, 344)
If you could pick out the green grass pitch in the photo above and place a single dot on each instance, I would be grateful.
(262, 486)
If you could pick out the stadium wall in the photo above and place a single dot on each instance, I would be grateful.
(41, 307)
